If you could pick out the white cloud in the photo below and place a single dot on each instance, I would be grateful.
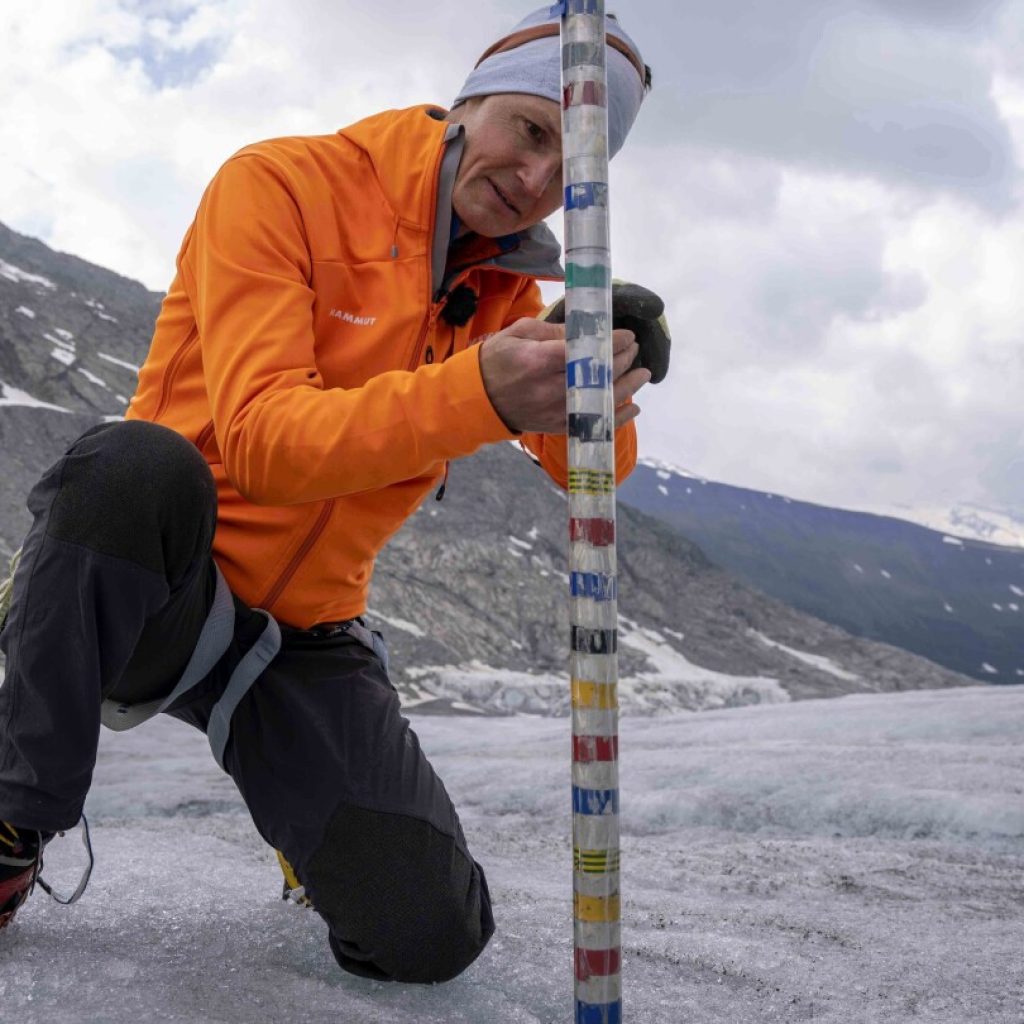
(810, 186)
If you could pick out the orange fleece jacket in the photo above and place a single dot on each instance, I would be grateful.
(300, 349)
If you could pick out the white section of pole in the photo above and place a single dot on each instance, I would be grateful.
(592, 565)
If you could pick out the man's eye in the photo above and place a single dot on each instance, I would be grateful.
(535, 131)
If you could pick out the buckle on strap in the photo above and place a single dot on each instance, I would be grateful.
(369, 638)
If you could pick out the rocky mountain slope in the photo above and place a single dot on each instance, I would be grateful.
(471, 593)
(955, 600)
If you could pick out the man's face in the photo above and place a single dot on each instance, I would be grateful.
(510, 176)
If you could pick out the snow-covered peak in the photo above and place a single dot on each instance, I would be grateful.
(660, 466)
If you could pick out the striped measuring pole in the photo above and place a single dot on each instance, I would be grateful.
(592, 574)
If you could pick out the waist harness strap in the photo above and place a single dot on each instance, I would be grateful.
(246, 673)
(369, 638)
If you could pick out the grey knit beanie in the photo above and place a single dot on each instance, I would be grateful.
(534, 66)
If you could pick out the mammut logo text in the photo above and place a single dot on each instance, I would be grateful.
(351, 318)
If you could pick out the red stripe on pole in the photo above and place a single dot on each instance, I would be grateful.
(583, 94)
(595, 748)
(597, 963)
(599, 532)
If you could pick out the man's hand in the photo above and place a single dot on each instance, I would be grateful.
(523, 368)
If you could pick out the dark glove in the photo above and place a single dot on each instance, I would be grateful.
(641, 311)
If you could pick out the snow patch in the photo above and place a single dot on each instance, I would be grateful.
(818, 661)
(98, 308)
(403, 624)
(1016, 590)
(886, 573)
(953, 540)
(62, 355)
(14, 396)
(534, 533)
(525, 545)
(948, 607)
(62, 342)
(25, 311)
(19, 276)
(663, 489)
(118, 362)
(990, 669)
(674, 680)
(660, 466)
(93, 379)
(479, 686)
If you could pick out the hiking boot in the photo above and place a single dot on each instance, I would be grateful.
(21, 857)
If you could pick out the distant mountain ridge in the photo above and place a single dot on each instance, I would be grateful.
(471, 593)
(955, 600)
(968, 520)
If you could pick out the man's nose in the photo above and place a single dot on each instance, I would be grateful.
(537, 174)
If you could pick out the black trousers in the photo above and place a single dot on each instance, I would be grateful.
(114, 585)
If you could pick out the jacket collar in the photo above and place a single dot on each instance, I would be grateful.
(415, 155)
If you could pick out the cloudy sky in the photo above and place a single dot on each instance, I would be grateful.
(826, 192)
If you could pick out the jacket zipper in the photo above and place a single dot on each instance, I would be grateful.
(172, 371)
(439, 496)
(272, 595)
(270, 598)
(318, 527)
(417, 353)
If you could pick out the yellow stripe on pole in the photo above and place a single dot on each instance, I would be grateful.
(596, 908)
(595, 862)
(603, 696)
(591, 481)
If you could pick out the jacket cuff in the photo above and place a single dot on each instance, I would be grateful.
(475, 419)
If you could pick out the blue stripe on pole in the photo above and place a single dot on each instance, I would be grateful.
(598, 586)
(599, 1013)
(595, 801)
(579, 6)
(584, 194)
(587, 373)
